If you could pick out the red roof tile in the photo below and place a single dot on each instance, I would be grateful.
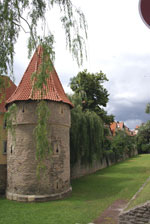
(137, 127)
(53, 90)
(121, 125)
(6, 92)
(116, 126)
(113, 127)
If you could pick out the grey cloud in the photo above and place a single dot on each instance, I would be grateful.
(129, 88)
(132, 114)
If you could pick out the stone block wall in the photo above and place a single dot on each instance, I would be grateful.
(79, 170)
(137, 215)
(3, 178)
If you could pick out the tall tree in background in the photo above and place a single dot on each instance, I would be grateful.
(147, 110)
(26, 15)
(94, 96)
(122, 144)
(143, 138)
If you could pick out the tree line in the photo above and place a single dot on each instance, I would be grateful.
(90, 137)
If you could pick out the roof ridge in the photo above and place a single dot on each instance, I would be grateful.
(37, 52)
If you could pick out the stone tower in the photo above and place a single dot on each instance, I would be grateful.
(22, 181)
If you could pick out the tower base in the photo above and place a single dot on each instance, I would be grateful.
(38, 198)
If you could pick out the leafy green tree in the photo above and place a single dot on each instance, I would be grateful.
(94, 96)
(104, 116)
(143, 138)
(147, 110)
(122, 144)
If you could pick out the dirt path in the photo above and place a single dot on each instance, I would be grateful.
(110, 215)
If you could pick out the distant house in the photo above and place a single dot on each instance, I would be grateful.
(6, 91)
(115, 126)
(7, 87)
(136, 130)
(120, 125)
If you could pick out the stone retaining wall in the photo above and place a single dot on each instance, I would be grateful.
(3, 178)
(137, 215)
(79, 170)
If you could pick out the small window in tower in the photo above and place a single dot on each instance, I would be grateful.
(4, 124)
(61, 109)
(11, 149)
(4, 147)
(57, 149)
(23, 109)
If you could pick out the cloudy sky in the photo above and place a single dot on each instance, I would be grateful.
(118, 44)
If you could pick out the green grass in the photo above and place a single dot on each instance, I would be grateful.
(142, 197)
(90, 197)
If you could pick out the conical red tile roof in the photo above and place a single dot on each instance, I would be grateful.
(53, 90)
(6, 92)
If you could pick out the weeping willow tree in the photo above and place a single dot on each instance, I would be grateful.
(26, 15)
(86, 134)
(16, 15)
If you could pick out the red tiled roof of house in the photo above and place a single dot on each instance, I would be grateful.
(53, 90)
(121, 124)
(6, 92)
(116, 126)
(113, 127)
(137, 127)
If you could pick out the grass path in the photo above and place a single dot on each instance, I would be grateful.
(90, 197)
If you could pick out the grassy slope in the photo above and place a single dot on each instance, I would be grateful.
(142, 197)
(91, 195)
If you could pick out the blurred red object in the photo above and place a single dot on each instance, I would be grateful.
(144, 8)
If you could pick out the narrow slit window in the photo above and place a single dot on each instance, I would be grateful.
(4, 124)
(61, 109)
(11, 149)
(4, 147)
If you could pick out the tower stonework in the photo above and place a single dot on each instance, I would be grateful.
(22, 181)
